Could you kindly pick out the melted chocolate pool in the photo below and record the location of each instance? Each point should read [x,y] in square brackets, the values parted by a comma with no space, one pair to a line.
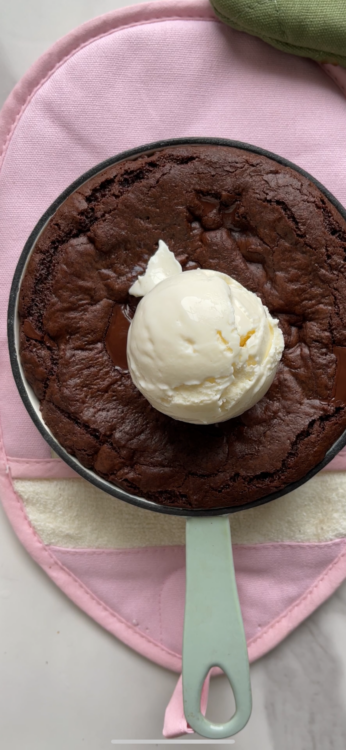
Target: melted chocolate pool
[116,336]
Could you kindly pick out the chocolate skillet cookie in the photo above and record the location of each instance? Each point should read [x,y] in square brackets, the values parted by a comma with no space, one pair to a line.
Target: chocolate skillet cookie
[216,207]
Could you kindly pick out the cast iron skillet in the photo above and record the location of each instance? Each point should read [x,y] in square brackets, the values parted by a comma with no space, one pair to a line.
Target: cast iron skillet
[213,629]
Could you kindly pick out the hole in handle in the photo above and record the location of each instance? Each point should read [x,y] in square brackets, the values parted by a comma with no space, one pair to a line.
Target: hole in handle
[211,723]
[221,705]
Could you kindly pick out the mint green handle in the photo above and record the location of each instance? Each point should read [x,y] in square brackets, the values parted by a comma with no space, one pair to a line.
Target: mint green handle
[213,627]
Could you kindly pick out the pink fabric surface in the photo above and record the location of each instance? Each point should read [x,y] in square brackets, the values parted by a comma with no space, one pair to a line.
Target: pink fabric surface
[337,74]
[42,468]
[146,586]
[175,723]
[338,463]
[134,76]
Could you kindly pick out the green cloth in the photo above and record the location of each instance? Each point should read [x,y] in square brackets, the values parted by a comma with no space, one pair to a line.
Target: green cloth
[310,28]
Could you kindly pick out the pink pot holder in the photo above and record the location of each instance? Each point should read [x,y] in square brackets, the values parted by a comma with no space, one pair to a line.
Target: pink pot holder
[141,74]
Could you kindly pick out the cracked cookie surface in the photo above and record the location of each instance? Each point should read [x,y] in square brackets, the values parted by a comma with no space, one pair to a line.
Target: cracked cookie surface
[216,207]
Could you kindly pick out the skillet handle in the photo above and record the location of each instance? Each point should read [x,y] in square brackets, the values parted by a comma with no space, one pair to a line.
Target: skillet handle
[213,626]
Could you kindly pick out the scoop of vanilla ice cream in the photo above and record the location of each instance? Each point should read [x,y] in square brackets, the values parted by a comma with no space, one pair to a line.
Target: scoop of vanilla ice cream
[202,348]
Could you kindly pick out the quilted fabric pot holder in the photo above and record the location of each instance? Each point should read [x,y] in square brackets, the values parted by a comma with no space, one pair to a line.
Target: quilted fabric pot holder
[138,75]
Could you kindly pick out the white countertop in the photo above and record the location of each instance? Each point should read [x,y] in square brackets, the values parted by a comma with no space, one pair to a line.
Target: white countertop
[67,684]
